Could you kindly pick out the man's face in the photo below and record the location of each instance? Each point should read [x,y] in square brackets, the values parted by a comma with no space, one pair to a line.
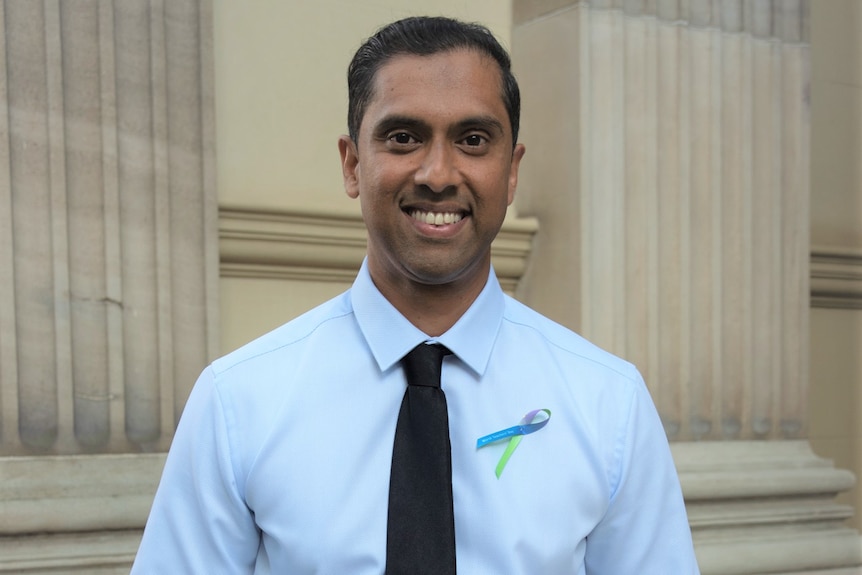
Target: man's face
[433,168]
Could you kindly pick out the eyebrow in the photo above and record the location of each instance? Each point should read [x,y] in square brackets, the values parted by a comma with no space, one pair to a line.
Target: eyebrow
[394,122]
[487,123]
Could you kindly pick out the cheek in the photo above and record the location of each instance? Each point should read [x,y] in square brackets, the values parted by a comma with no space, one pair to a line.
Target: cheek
[380,188]
[373,201]
[370,180]
[367,205]
[499,193]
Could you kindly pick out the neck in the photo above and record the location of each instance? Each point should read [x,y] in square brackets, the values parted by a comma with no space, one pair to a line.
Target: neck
[433,308]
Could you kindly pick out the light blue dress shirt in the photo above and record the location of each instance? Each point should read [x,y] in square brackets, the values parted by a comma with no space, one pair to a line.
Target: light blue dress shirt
[280,463]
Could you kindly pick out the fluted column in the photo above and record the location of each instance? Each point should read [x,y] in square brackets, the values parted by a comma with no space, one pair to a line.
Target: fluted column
[690,181]
[108,221]
[668,145]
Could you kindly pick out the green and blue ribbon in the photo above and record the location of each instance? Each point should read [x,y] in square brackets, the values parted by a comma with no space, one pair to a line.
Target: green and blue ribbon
[531,423]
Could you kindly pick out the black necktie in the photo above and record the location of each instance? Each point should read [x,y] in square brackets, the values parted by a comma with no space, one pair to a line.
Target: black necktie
[420,539]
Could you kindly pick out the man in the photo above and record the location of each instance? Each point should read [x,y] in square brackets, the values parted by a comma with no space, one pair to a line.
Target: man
[282,459]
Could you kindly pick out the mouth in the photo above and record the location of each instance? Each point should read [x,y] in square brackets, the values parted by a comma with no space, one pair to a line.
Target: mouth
[435,218]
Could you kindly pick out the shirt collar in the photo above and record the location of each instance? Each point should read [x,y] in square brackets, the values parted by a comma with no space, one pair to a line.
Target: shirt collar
[390,335]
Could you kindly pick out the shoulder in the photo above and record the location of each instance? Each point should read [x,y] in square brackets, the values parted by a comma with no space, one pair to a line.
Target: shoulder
[565,343]
[288,336]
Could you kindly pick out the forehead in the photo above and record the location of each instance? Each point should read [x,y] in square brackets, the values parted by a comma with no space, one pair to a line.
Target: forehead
[460,81]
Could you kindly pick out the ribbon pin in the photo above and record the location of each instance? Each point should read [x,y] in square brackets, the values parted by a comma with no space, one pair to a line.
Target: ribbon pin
[528,425]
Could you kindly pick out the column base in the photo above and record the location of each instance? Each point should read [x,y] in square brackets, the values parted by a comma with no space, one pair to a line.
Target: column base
[759,507]
[74,514]
[755,507]
[99,553]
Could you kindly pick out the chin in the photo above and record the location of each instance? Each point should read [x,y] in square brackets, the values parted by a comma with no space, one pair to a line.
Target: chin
[445,273]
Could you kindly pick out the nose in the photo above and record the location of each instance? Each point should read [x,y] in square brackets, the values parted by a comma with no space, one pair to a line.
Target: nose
[439,170]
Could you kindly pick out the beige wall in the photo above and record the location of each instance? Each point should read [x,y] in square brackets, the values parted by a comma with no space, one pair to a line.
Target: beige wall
[281,103]
[836,395]
[836,223]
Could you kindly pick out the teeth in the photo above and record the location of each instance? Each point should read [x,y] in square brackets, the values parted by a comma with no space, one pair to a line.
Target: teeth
[436,218]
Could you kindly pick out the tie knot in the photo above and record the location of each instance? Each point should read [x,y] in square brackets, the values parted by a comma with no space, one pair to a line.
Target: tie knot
[422,365]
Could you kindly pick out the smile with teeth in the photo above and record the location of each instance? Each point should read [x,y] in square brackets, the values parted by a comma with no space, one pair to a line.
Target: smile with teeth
[435,218]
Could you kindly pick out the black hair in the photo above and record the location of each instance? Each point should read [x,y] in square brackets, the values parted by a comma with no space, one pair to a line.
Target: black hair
[424,36]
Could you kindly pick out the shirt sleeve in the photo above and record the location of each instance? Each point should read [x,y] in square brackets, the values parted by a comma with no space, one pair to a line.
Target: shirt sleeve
[645,529]
[199,522]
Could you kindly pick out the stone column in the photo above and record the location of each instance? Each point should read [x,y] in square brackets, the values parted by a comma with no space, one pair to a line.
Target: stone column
[668,168]
[108,216]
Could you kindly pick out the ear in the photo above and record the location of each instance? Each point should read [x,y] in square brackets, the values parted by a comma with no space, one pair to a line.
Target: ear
[517,154]
[349,166]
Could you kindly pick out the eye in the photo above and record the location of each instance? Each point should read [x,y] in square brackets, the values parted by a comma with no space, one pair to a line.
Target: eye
[474,140]
[402,138]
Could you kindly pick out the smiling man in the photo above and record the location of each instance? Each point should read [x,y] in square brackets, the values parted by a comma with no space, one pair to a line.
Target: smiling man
[434,165]
[423,421]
